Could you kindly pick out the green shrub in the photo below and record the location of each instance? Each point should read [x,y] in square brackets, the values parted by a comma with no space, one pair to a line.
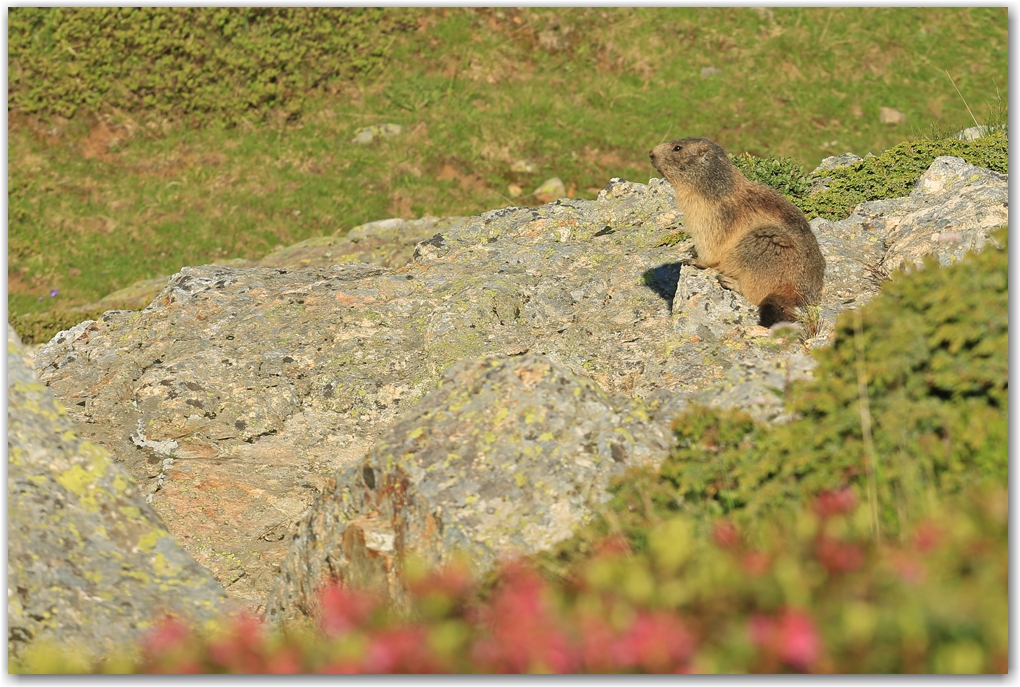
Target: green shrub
[935,359]
[895,172]
[781,173]
[222,64]
[936,365]
[816,594]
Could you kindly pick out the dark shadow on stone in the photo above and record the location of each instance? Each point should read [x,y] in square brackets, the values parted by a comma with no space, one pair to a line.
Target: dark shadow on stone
[663,280]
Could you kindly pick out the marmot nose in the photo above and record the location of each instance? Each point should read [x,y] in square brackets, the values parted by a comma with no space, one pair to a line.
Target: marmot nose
[651,155]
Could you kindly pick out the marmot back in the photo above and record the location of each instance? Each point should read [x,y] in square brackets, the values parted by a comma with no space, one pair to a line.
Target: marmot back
[760,242]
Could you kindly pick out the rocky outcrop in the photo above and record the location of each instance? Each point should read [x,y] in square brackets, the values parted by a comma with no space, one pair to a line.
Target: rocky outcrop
[387,243]
[89,564]
[240,394]
[504,457]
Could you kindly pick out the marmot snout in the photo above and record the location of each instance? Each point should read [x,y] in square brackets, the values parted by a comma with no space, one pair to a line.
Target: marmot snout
[760,242]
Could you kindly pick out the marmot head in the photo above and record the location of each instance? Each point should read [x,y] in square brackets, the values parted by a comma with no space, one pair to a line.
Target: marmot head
[695,165]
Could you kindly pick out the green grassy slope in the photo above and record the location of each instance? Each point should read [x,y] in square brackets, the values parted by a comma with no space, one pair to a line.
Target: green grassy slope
[130,188]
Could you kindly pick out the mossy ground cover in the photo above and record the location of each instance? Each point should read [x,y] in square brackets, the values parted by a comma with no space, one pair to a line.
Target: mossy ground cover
[147,176]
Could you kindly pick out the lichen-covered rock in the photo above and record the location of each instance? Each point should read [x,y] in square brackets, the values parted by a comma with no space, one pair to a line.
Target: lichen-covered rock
[506,456]
[239,392]
[952,209]
[89,564]
[386,242]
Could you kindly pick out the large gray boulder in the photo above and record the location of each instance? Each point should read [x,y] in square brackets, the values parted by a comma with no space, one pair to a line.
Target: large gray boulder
[240,394]
[89,563]
[505,457]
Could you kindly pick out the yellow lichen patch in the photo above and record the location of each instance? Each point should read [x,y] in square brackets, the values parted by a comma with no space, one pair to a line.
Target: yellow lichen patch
[624,433]
[161,566]
[48,657]
[76,480]
[38,480]
[130,512]
[546,436]
[96,455]
[29,387]
[68,435]
[638,413]
[136,575]
[149,539]
[120,483]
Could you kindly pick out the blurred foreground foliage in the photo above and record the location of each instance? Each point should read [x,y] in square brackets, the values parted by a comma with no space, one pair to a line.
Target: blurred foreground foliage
[817,594]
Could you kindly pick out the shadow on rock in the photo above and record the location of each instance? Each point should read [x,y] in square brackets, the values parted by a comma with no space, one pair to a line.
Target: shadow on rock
[663,281]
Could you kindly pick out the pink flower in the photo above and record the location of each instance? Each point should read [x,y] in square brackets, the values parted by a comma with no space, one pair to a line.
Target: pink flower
[525,635]
[656,642]
[838,556]
[242,650]
[831,503]
[168,634]
[791,636]
[399,650]
[342,610]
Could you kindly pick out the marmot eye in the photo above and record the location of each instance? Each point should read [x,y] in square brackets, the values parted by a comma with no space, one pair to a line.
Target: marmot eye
[677,149]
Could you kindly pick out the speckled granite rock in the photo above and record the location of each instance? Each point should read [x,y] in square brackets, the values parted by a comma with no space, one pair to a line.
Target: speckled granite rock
[239,393]
[386,242]
[952,209]
[89,564]
[505,456]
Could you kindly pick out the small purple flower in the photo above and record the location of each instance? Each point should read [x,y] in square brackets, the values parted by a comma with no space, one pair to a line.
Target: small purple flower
[53,293]
[40,298]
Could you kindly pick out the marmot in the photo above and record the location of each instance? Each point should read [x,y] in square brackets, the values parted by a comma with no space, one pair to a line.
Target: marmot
[759,241]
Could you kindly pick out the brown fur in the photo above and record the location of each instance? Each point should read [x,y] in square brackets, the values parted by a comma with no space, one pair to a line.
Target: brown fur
[759,241]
